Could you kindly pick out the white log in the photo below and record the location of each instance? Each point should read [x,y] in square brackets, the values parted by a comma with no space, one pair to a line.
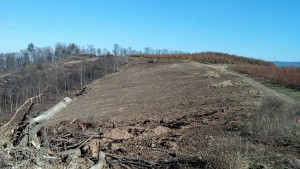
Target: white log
[39,121]
[101,161]
[52,111]
[31,133]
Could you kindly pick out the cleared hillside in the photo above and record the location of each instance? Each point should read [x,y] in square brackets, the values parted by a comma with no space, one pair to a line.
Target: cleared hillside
[184,113]
[165,89]
[169,114]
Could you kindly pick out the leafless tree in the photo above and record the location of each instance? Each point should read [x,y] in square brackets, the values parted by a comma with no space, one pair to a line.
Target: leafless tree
[116,49]
[91,50]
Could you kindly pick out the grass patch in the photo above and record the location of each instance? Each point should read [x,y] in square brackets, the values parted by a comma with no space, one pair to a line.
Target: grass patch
[231,151]
[274,119]
[292,93]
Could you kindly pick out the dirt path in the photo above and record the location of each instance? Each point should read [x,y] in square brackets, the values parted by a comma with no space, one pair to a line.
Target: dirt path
[263,88]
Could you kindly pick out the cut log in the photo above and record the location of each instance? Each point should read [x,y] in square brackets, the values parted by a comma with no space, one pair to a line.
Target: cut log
[101,161]
[31,133]
[52,111]
[37,124]
[44,138]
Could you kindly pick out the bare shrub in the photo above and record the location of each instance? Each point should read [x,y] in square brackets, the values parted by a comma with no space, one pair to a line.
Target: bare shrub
[233,152]
[286,76]
[210,57]
[274,120]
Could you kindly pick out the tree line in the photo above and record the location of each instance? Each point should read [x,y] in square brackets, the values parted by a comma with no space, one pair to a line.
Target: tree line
[211,57]
[60,78]
[26,73]
[14,61]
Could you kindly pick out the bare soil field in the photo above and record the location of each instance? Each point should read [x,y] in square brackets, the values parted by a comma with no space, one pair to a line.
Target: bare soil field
[163,90]
[165,114]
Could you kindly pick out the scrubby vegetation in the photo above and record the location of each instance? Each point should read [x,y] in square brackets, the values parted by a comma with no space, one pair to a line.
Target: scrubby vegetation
[287,76]
[270,132]
[275,120]
[210,57]
[232,151]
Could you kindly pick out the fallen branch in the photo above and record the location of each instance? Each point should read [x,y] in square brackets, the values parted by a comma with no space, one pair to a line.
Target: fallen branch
[85,141]
[36,124]
[52,111]
[136,162]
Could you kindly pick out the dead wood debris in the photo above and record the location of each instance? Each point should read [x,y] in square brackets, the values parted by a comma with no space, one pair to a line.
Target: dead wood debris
[31,148]
[81,91]
[89,147]
[175,163]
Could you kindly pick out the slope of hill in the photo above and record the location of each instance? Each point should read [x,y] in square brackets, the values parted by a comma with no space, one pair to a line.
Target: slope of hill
[166,89]
[184,113]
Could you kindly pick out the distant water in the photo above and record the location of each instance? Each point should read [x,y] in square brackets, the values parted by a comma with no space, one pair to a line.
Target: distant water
[282,64]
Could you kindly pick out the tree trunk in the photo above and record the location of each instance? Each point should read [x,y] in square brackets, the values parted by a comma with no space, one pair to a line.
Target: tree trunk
[36,125]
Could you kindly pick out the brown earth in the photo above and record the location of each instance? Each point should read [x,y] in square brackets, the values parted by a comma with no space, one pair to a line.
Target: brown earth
[163,110]
[162,90]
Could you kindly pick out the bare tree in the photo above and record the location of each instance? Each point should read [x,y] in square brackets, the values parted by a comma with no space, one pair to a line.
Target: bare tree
[2,63]
[72,49]
[116,49]
[105,52]
[99,51]
[147,50]
[60,50]
[91,50]
[10,61]
[49,54]
[26,57]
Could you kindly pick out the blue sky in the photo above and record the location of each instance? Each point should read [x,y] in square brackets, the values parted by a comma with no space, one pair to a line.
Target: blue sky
[266,29]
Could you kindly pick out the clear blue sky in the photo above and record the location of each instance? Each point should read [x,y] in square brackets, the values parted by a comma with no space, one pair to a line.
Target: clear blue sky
[266,29]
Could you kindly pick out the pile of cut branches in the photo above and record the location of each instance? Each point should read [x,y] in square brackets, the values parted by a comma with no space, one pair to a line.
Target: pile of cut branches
[29,144]
[25,144]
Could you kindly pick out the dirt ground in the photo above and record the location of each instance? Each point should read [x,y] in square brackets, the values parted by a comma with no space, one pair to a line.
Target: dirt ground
[163,90]
[169,114]
[162,111]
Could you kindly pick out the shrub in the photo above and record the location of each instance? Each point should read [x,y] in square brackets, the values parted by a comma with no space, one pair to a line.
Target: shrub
[233,152]
[274,120]
[210,57]
[287,76]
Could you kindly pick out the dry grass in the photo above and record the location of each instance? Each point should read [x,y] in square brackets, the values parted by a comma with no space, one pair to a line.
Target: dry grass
[274,119]
[227,151]
[286,76]
[210,57]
